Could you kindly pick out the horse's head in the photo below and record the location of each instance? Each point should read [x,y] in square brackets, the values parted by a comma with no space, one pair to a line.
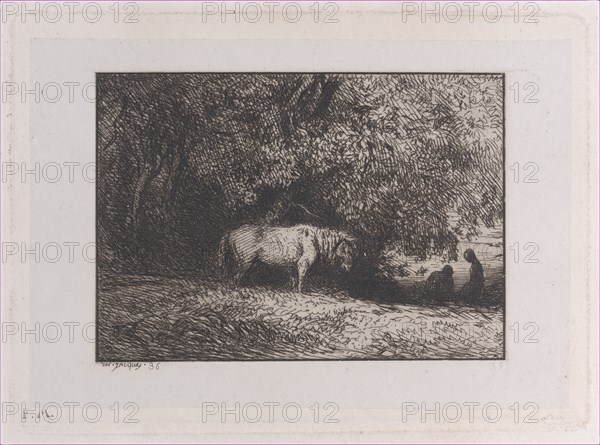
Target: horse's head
[345,253]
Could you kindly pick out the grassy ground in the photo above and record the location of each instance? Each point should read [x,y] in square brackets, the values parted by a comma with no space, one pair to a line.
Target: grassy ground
[155,318]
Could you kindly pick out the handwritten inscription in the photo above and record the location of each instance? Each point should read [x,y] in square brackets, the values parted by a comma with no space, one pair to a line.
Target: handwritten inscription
[132,366]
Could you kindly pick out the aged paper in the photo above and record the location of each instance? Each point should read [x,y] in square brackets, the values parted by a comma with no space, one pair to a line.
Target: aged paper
[299,222]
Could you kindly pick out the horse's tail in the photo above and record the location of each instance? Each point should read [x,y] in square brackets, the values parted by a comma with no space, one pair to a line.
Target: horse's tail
[224,254]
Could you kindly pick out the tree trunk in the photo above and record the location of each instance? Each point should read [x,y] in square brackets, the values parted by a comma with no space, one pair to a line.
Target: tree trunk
[138,191]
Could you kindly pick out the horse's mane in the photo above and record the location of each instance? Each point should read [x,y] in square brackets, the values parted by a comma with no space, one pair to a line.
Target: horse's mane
[327,241]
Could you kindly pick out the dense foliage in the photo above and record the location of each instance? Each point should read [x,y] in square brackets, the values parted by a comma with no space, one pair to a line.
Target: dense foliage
[413,162]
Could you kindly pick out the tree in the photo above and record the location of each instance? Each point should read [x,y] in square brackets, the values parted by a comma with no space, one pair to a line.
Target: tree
[411,162]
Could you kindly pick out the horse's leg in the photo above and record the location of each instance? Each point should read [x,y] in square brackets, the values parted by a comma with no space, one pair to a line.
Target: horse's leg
[302,268]
[303,264]
[294,277]
[242,268]
[300,278]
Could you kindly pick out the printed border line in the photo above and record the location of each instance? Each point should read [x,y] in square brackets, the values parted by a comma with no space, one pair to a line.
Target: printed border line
[502,358]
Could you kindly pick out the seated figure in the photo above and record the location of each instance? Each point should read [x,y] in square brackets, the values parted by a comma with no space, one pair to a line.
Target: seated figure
[473,289]
[440,284]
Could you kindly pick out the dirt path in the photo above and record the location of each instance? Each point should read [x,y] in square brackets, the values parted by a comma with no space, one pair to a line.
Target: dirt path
[185,319]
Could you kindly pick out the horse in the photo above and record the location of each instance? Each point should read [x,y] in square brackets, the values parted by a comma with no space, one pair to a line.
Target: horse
[298,247]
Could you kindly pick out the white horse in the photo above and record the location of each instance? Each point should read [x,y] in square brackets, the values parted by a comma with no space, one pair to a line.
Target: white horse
[297,247]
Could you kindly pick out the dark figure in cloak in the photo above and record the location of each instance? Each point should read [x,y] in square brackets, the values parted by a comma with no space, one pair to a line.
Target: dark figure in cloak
[473,289]
[440,284]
